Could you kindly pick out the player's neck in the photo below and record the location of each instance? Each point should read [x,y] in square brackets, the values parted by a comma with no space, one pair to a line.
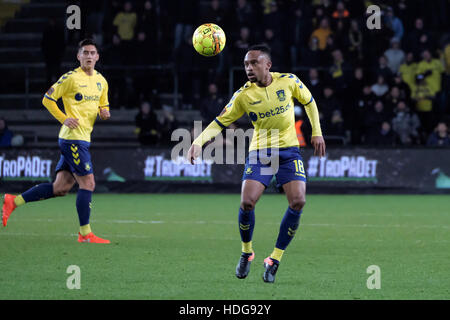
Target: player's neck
[266,81]
[88,71]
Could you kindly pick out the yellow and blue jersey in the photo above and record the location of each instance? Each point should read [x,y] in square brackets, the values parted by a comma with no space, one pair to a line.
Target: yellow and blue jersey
[271,108]
[82,96]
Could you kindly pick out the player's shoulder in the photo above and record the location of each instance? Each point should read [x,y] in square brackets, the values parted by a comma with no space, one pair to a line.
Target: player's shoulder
[67,77]
[288,78]
[243,90]
[99,75]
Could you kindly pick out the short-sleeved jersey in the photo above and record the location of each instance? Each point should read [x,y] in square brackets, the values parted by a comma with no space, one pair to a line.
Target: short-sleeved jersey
[268,108]
[82,96]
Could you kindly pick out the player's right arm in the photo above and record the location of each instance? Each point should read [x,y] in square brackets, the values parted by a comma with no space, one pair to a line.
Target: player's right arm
[51,97]
[232,111]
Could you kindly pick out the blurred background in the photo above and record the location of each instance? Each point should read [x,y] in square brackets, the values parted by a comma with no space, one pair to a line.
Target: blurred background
[383,94]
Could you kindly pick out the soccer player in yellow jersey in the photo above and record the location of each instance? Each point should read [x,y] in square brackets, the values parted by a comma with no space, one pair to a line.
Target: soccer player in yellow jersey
[268,100]
[84,92]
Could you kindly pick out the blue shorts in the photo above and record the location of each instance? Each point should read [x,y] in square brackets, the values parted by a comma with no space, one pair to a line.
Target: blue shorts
[75,157]
[260,167]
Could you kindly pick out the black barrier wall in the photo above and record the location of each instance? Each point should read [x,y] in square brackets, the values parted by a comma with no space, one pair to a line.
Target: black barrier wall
[152,170]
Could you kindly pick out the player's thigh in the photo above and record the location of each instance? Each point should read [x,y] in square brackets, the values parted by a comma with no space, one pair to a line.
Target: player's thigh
[250,193]
[63,183]
[296,194]
[86,182]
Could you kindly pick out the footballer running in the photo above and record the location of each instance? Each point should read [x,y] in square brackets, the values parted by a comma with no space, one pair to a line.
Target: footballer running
[268,101]
[84,92]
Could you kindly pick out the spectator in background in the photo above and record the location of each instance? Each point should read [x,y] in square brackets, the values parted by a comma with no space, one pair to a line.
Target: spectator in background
[311,56]
[384,136]
[373,121]
[168,124]
[300,28]
[419,39]
[126,21]
[6,135]
[406,124]
[243,15]
[212,105]
[328,104]
[216,14]
[408,70]
[147,125]
[394,55]
[380,88]
[341,13]
[53,46]
[336,124]
[339,70]
[148,23]
[314,84]
[278,59]
[423,97]
[184,15]
[432,70]
[394,23]
[440,136]
[274,20]
[145,50]
[241,46]
[355,40]
[383,68]
[322,33]
[393,97]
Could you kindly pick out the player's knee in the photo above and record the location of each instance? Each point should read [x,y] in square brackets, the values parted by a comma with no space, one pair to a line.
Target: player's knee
[87,184]
[248,204]
[61,191]
[297,203]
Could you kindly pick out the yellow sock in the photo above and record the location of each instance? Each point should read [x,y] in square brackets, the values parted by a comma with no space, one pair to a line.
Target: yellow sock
[277,254]
[18,201]
[247,247]
[86,229]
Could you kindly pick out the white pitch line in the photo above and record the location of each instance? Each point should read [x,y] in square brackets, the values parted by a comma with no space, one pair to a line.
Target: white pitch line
[224,222]
[134,236]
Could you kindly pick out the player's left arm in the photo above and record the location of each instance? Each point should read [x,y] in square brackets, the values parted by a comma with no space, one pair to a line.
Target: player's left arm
[304,96]
[103,109]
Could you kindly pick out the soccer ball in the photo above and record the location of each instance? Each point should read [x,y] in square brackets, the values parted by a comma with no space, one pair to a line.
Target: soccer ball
[209,39]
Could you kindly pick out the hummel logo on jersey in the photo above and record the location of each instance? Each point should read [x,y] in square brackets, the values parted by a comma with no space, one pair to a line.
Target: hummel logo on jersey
[255,102]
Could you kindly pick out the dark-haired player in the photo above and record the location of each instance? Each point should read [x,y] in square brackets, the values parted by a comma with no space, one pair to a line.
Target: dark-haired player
[84,92]
[268,100]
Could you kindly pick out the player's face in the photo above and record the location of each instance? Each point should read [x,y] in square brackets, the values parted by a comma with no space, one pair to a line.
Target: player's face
[257,65]
[88,56]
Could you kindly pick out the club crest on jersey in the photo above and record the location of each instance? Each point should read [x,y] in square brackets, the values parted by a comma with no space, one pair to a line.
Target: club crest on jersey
[99,86]
[281,95]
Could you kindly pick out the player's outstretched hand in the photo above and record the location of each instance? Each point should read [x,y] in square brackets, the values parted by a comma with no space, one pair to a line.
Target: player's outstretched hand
[71,123]
[104,114]
[194,153]
[319,146]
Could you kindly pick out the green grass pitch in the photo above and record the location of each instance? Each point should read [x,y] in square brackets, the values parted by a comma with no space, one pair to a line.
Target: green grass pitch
[187,246]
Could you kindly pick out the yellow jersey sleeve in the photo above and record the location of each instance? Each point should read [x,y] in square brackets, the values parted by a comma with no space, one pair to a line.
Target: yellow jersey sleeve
[57,90]
[53,94]
[232,111]
[304,96]
[104,102]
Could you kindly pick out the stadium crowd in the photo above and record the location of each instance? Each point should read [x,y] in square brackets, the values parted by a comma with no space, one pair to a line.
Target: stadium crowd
[386,86]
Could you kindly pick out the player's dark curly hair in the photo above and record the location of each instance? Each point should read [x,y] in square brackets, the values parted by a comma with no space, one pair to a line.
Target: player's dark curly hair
[263,48]
[87,42]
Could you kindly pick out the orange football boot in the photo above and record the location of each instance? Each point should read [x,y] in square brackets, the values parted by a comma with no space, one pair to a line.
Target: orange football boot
[91,238]
[8,207]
